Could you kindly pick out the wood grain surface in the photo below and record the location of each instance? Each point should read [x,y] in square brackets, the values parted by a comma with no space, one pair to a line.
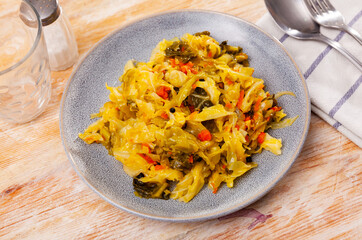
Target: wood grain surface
[41,197]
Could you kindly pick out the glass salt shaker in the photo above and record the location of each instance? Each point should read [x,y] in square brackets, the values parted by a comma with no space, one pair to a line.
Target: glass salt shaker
[61,44]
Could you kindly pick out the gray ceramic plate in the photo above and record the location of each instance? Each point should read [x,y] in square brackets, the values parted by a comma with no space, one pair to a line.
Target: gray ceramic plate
[86,93]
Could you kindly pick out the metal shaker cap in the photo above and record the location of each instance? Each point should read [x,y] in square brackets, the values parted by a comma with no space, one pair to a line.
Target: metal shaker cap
[48,10]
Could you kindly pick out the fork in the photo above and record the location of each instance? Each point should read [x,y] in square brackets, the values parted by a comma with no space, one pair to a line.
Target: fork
[326,15]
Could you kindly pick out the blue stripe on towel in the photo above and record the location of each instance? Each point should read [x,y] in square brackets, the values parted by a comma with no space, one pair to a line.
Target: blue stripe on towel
[283,38]
[345,97]
[337,125]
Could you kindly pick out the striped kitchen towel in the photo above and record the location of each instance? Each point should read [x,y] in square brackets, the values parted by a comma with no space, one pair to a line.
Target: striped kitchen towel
[335,84]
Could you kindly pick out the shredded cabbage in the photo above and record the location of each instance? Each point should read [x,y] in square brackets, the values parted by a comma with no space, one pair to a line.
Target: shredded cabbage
[193,114]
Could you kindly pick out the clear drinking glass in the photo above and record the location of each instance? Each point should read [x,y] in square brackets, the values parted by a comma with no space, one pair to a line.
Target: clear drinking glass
[25,83]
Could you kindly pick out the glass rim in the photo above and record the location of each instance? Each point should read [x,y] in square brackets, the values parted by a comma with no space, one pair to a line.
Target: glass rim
[35,43]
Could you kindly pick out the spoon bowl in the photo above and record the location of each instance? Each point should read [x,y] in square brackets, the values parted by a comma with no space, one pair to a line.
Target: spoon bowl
[293,18]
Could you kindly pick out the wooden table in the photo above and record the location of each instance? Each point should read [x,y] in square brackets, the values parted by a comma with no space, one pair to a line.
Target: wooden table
[41,196]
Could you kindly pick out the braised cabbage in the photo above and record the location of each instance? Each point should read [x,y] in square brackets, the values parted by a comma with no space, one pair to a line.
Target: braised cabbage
[193,114]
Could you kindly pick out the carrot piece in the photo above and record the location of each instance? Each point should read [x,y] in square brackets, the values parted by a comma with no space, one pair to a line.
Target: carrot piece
[193,114]
[163,92]
[255,116]
[182,48]
[240,100]
[247,138]
[224,166]
[261,137]
[189,64]
[247,118]
[215,188]
[184,69]
[204,135]
[193,86]
[257,103]
[187,67]
[228,81]
[164,116]
[228,105]
[237,126]
[191,159]
[276,108]
[159,167]
[147,158]
[173,62]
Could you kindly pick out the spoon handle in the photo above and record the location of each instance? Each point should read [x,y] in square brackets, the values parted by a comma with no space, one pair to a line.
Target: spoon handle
[341,49]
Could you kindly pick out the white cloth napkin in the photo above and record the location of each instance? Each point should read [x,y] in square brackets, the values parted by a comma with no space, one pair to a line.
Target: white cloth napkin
[334,83]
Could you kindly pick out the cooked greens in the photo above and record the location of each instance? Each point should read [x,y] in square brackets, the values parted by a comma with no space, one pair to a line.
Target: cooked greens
[192,115]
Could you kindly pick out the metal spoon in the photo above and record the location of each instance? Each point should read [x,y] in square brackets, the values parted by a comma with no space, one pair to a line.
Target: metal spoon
[294,19]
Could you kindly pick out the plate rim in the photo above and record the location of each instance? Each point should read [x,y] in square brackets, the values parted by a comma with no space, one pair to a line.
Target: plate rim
[207,216]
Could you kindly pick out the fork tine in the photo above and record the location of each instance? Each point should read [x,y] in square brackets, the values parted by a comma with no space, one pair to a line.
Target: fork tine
[310,5]
[315,7]
[328,5]
[322,6]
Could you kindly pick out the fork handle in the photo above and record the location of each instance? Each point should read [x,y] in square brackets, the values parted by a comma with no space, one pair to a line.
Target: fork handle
[352,32]
[340,48]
